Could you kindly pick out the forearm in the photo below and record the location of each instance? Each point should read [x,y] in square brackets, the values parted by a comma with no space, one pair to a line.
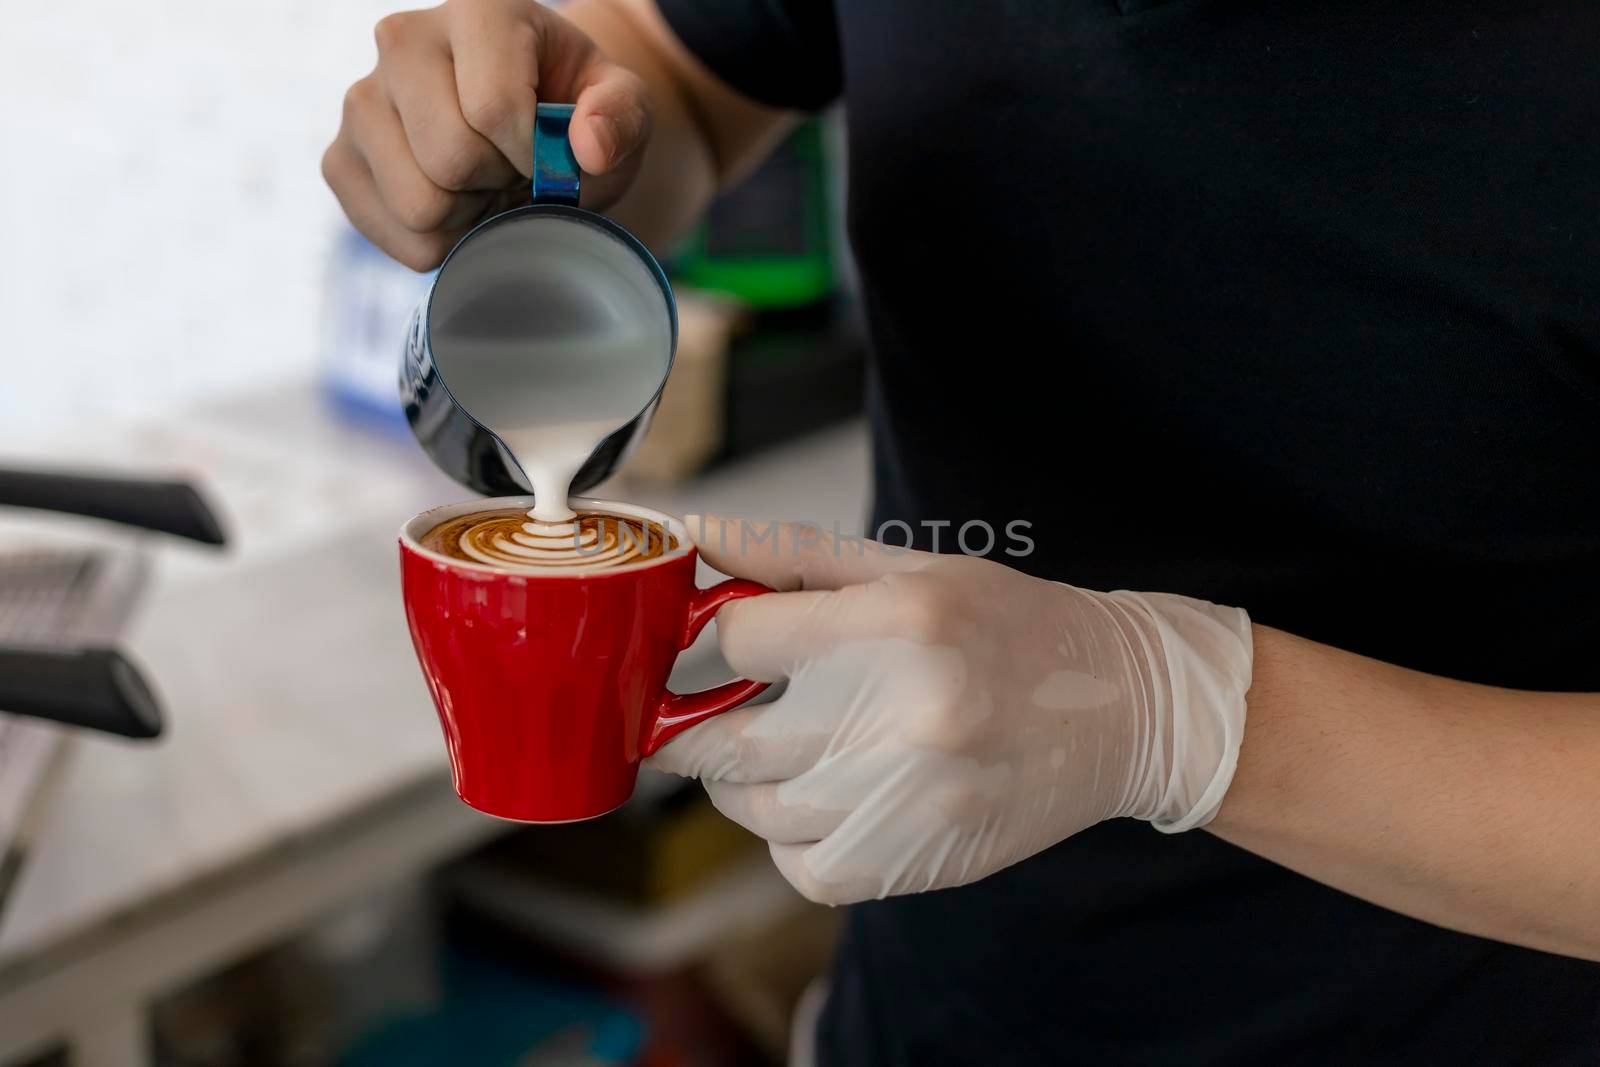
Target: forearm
[705,136]
[1471,807]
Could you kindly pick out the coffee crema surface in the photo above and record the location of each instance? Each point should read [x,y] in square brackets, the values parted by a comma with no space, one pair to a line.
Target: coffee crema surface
[514,539]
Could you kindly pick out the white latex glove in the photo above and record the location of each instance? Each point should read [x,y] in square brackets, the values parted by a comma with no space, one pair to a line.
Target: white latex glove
[948,716]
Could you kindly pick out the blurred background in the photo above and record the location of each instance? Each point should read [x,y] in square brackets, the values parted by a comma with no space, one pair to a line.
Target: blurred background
[202,468]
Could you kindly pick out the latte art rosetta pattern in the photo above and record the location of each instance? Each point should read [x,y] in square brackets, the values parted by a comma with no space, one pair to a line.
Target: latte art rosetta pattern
[515,539]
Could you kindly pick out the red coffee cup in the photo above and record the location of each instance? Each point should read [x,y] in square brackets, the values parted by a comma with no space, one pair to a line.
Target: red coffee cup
[552,686]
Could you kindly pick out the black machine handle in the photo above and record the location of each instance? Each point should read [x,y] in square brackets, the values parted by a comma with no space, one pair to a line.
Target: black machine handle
[171,507]
[95,688]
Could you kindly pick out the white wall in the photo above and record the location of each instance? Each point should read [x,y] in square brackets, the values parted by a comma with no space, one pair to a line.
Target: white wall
[164,227]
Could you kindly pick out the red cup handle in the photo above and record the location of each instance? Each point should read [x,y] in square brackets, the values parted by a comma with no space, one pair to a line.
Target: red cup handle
[677,712]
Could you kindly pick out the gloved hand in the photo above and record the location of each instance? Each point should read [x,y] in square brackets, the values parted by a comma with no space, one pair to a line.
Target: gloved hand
[947,716]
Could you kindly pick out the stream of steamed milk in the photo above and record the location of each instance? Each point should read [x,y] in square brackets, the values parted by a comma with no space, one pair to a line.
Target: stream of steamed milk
[552,402]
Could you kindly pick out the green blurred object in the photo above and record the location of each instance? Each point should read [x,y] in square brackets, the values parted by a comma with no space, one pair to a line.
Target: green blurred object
[768,241]
[495,1016]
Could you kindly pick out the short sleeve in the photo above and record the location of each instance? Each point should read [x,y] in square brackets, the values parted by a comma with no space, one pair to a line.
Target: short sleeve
[783,53]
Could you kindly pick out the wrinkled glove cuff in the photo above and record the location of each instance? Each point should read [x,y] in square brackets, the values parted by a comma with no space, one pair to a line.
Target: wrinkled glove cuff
[1201,656]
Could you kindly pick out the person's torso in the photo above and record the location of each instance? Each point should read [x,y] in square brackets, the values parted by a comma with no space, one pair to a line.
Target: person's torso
[1291,305]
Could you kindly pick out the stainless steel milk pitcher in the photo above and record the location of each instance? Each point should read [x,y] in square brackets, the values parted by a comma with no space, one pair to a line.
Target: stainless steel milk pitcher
[548,269]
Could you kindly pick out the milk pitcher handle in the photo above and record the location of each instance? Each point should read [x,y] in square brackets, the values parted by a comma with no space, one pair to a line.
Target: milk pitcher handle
[555,170]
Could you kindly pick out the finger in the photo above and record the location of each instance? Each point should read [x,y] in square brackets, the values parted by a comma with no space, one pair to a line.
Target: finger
[792,862]
[770,643]
[347,175]
[417,73]
[612,119]
[760,743]
[786,635]
[411,198]
[497,59]
[796,555]
[764,811]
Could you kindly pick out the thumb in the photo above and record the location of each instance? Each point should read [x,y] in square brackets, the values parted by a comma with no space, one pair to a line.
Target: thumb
[611,120]
[789,556]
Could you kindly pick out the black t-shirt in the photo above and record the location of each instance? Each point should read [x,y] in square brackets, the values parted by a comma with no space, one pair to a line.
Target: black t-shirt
[1293,305]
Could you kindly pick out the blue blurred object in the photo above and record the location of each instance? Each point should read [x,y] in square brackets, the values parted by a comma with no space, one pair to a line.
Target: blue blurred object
[367,302]
[495,1016]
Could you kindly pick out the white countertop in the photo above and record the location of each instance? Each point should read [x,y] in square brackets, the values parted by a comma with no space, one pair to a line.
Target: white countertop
[293,700]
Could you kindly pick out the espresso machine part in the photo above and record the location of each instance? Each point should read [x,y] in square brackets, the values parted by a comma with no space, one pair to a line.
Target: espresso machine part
[172,507]
[91,688]
[43,673]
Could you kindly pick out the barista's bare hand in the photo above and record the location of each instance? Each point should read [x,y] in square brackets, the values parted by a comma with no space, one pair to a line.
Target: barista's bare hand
[440,133]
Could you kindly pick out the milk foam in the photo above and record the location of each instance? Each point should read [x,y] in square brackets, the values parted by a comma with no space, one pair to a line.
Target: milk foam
[591,541]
